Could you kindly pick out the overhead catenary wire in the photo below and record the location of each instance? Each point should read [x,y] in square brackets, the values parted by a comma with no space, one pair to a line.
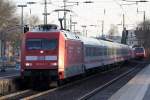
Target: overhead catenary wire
[124,11]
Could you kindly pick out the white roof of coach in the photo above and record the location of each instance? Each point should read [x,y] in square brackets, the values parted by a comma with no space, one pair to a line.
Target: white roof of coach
[90,41]
[94,41]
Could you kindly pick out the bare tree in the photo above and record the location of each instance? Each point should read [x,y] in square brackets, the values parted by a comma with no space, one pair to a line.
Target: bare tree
[9,29]
[7,9]
[34,20]
[143,35]
[31,20]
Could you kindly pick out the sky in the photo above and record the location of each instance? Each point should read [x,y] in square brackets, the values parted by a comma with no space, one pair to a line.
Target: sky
[92,14]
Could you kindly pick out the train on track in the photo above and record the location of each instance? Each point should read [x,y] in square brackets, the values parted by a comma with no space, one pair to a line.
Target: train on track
[49,54]
[139,52]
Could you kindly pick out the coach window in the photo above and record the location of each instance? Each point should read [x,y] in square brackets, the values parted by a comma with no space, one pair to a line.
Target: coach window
[94,51]
[87,51]
[119,51]
[122,51]
[96,54]
[90,51]
[105,51]
[108,51]
[102,51]
[99,51]
[111,51]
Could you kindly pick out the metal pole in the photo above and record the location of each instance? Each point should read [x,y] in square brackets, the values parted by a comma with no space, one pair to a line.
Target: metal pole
[103,23]
[45,12]
[123,22]
[30,3]
[102,28]
[144,17]
[0,47]
[86,32]
[70,22]
[65,13]
[0,44]
[74,25]
[30,9]
[22,24]
[3,52]
[74,28]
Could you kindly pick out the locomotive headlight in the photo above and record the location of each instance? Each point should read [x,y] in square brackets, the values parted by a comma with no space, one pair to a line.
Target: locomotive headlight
[28,64]
[54,64]
[41,51]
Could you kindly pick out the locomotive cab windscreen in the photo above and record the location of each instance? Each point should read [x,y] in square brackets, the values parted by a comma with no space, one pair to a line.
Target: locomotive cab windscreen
[139,50]
[41,52]
[41,44]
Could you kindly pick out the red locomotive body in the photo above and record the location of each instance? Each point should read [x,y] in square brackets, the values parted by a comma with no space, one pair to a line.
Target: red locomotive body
[50,55]
[139,52]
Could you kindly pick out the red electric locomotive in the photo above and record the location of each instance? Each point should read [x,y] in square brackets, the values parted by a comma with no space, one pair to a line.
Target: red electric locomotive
[50,54]
[139,52]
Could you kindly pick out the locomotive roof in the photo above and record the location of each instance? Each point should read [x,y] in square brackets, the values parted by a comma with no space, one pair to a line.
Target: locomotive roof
[45,28]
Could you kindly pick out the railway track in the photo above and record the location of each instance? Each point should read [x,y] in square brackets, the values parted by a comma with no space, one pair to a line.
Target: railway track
[30,93]
[105,91]
[18,95]
[75,90]
[93,92]
[80,90]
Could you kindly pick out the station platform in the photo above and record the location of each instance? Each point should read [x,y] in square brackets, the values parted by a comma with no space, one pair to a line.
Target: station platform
[137,88]
[9,80]
[9,72]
